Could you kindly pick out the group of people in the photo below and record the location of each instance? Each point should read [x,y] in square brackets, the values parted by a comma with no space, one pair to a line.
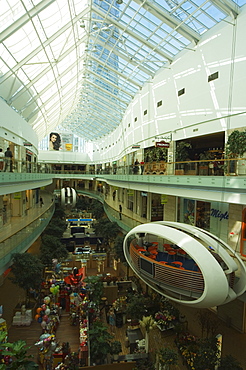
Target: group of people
[6,160]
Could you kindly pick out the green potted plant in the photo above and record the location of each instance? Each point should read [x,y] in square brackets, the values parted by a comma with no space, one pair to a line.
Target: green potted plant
[115,349]
[181,155]
[99,341]
[17,352]
[235,148]
[94,285]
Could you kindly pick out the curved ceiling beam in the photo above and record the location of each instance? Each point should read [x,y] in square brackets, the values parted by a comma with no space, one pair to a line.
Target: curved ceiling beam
[142,40]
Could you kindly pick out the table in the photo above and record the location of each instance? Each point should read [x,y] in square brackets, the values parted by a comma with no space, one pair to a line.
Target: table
[133,336]
[132,357]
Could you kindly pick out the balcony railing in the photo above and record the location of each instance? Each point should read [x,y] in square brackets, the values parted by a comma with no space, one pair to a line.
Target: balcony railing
[217,167]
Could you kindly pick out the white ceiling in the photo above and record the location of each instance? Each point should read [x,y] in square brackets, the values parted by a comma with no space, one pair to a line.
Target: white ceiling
[77,64]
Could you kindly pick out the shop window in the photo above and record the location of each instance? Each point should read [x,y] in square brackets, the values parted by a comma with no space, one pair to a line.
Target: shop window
[156,208]
[243,237]
[203,215]
[130,200]
[144,205]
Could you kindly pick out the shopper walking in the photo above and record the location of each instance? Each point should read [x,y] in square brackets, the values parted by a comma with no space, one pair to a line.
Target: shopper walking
[8,160]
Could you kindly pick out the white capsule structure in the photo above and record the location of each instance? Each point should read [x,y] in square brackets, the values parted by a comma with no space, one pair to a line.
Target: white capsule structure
[186,264]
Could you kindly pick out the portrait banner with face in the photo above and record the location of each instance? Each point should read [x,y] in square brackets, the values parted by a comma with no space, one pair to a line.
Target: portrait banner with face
[54,141]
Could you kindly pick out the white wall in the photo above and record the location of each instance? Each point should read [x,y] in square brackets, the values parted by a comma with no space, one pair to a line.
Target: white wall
[57,156]
[206,107]
[14,128]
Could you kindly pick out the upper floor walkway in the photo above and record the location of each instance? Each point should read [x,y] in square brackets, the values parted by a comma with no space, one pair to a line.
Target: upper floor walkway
[229,189]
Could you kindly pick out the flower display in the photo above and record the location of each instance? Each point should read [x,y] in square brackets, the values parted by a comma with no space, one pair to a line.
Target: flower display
[120,303]
[163,319]
[148,323]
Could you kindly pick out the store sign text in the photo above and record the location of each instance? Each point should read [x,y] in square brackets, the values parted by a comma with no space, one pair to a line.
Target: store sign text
[218,214]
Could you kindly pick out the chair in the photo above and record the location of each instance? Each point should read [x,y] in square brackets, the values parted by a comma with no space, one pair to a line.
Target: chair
[182,253]
[152,256]
[171,253]
[153,248]
[155,244]
[167,247]
[178,263]
[154,252]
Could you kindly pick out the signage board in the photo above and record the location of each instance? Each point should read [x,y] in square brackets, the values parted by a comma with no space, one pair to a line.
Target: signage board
[162,144]
[163,199]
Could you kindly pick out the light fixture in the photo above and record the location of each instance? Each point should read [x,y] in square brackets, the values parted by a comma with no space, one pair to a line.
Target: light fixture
[82,23]
[95,27]
[119,1]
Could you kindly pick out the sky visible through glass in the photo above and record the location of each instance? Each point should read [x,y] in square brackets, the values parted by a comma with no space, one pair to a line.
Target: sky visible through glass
[78,64]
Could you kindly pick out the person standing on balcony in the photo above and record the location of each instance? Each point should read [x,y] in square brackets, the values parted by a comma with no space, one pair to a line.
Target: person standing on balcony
[136,167]
[8,160]
[142,167]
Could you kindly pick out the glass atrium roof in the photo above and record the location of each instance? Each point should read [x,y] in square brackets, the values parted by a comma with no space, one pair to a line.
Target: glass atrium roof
[79,63]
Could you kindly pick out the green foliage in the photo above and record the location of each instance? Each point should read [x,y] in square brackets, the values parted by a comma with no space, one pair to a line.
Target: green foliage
[94,286]
[59,212]
[182,151]
[18,353]
[100,340]
[106,229]
[52,248]
[136,307]
[168,356]
[206,156]
[155,154]
[54,229]
[97,209]
[115,347]
[27,271]
[207,354]
[229,363]
[236,144]
[118,248]
[83,203]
